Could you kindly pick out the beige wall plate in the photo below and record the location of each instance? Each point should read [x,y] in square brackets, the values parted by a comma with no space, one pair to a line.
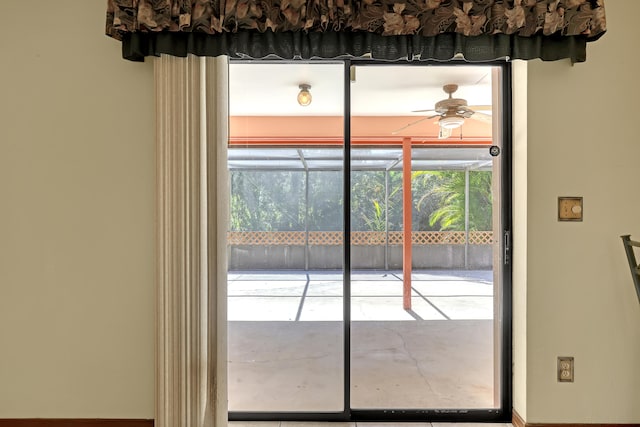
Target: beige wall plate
[569,208]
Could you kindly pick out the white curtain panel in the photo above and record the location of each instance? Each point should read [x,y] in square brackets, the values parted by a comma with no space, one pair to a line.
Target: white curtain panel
[192,129]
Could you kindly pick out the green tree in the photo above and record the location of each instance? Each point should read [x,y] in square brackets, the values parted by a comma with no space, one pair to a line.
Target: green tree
[325,200]
[275,200]
[267,201]
[369,203]
[449,190]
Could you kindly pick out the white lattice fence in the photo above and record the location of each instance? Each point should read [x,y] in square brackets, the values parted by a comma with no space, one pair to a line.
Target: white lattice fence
[368,238]
[480,237]
[328,238]
[437,237]
[358,238]
[258,238]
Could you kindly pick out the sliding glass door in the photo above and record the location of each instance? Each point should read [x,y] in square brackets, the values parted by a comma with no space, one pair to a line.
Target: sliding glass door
[396,308]
[425,272]
[286,293]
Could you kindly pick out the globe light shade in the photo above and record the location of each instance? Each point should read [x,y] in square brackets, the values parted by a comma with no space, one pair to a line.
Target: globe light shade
[304,96]
[451,122]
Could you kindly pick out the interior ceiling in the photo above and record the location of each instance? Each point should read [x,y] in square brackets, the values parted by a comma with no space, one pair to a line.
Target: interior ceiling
[270,89]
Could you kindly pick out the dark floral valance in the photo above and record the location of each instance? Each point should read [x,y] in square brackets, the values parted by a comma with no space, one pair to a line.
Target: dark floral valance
[387,29]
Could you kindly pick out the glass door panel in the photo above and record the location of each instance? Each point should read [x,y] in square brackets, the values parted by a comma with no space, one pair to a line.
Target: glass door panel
[285,280]
[425,300]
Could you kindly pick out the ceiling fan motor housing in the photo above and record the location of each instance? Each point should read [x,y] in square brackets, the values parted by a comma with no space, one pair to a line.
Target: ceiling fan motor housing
[450,104]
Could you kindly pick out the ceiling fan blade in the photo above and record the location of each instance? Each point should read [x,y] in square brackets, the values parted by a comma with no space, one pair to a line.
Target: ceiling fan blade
[482,117]
[397,131]
[480,107]
[422,111]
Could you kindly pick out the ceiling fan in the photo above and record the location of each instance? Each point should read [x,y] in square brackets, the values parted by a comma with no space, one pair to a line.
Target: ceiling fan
[452,112]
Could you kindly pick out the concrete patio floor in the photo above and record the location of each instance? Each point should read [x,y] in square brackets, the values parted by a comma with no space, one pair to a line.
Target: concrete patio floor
[286,341]
[317,296]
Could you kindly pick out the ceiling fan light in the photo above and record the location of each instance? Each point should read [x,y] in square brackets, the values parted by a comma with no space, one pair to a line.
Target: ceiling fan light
[304,96]
[451,122]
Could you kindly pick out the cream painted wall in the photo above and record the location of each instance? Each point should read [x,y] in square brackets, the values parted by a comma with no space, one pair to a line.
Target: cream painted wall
[77,233]
[77,208]
[582,140]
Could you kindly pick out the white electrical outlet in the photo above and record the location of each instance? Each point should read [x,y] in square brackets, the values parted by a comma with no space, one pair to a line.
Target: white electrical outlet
[565,369]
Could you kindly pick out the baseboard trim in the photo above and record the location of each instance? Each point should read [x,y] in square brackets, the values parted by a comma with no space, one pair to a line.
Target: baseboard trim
[517,421]
[73,422]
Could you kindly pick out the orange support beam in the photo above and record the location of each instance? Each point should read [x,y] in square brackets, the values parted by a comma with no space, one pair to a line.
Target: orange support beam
[304,142]
[407,208]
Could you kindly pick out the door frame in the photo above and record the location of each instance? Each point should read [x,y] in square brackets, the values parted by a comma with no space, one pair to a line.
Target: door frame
[499,414]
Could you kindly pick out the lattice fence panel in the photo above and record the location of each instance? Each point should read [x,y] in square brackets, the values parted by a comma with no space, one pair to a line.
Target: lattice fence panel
[438,238]
[395,238]
[480,237]
[329,238]
[358,238]
[364,238]
[257,238]
[429,238]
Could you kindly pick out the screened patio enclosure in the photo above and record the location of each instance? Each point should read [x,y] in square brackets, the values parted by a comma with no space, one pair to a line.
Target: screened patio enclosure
[307,234]
[286,287]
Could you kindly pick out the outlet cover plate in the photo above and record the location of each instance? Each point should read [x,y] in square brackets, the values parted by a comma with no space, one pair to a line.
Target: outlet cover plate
[565,369]
[569,208]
